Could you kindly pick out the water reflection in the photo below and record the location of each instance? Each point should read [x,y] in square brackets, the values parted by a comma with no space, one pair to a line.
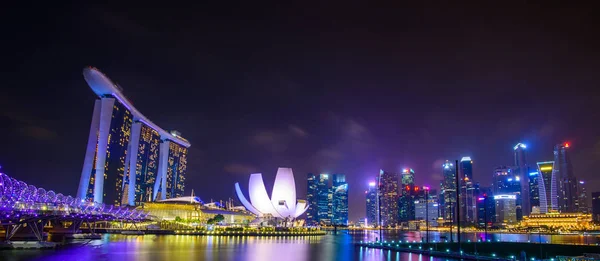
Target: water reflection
[239,248]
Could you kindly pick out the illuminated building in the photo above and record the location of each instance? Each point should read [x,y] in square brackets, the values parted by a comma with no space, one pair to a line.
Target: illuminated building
[372,205]
[388,189]
[534,190]
[125,160]
[193,211]
[486,205]
[146,163]
[339,200]
[311,197]
[449,191]
[583,206]
[431,211]
[507,182]
[596,206]
[548,187]
[281,204]
[521,170]
[567,185]
[408,193]
[468,208]
[506,209]
[324,200]
[570,221]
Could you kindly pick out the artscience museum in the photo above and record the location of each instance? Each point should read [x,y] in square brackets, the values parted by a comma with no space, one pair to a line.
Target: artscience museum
[281,204]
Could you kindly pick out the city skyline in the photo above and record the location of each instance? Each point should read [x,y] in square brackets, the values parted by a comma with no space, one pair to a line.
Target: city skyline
[335,95]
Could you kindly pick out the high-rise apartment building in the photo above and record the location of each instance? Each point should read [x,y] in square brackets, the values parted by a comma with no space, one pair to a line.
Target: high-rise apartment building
[548,187]
[128,158]
[339,200]
[567,185]
[388,198]
[372,206]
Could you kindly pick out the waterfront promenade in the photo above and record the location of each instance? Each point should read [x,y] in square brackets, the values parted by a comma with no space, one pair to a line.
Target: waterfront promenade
[486,250]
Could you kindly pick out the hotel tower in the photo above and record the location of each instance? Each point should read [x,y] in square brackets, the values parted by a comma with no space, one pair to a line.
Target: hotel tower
[128,159]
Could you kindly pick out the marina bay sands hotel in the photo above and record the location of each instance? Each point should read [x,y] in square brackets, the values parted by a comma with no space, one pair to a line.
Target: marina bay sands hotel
[128,159]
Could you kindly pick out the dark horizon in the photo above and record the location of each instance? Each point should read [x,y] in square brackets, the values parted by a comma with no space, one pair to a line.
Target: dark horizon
[338,88]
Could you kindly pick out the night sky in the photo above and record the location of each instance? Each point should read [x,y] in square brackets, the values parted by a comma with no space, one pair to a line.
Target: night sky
[340,88]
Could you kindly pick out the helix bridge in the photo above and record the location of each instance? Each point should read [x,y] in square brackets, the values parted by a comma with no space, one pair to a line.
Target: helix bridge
[23,205]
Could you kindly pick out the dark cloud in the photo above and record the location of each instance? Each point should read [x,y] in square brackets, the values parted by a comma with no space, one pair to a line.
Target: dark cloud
[239,169]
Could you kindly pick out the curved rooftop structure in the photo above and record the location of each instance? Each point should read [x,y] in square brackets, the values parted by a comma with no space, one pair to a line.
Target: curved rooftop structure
[104,87]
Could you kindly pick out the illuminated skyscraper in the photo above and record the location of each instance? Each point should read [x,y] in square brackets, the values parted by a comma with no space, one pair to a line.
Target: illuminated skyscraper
[429,211]
[372,205]
[146,163]
[408,193]
[567,185]
[449,191]
[521,170]
[388,189]
[312,193]
[596,206]
[125,151]
[506,181]
[534,190]
[506,208]
[548,187]
[324,198]
[583,204]
[468,199]
[340,200]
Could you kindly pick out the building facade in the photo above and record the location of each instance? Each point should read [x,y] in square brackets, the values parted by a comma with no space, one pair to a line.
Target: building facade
[468,206]
[427,208]
[486,208]
[340,200]
[372,206]
[521,170]
[126,161]
[534,191]
[312,193]
[563,170]
[583,198]
[408,194]
[548,187]
[324,200]
[596,206]
[506,209]
[388,198]
[448,191]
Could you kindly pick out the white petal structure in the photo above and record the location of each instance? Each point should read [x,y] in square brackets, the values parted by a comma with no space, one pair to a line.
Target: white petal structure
[282,204]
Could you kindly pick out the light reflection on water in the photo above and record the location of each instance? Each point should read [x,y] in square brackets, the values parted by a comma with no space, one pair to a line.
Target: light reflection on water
[183,247]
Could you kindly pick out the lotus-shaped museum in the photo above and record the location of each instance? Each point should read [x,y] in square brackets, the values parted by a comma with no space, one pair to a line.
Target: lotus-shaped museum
[281,204]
